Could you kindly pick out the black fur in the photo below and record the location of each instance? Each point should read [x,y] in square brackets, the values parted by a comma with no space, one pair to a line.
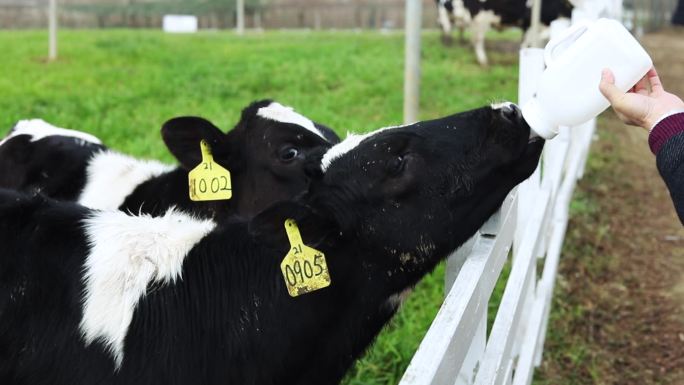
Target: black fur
[384,214]
[513,13]
[56,166]
[516,12]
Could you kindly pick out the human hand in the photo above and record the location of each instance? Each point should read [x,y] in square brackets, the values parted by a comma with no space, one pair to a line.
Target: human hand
[643,105]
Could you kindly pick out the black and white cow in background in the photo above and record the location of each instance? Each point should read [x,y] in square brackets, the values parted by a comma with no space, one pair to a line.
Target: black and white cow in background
[102,297]
[265,154]
[481,15]
[452,13]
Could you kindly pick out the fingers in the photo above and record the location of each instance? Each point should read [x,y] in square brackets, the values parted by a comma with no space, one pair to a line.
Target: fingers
[654,79]
[607,87]
[642,86]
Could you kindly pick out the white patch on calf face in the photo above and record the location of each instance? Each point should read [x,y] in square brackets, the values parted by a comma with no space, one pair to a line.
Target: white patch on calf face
[126,254]
[498,106]
[111,177]
[279,113]
[39,129]
[348,144]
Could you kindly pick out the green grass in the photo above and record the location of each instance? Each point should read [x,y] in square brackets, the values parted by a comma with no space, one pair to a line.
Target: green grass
[121,85]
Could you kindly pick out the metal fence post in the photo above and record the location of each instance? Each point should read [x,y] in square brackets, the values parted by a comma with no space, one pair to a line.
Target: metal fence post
[52,27]
[412,57]
[240,24]
[535,25]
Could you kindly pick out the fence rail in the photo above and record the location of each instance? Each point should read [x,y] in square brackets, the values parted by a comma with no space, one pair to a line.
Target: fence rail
[529,229]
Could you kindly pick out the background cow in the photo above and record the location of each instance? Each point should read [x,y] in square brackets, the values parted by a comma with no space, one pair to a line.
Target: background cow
[91,297]
[481,15]
[452,13]
[265,154]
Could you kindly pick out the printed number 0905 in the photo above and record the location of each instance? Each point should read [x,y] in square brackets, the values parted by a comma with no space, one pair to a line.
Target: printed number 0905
[301,270]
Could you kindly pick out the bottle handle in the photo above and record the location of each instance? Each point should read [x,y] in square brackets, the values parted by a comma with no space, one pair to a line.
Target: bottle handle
[568,36]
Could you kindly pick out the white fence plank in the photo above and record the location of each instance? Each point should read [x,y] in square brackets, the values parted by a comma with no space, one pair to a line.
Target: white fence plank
[531,68]
[456,261]
[497,355]
[455,349]
[466,375]
[442,352]
[525,368]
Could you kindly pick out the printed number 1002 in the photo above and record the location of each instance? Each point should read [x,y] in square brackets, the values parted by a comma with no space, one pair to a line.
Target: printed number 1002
[215,184]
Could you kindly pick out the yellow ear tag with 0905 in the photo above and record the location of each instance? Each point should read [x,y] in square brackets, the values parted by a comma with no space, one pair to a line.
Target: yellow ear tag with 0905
[304,268]
[209,181]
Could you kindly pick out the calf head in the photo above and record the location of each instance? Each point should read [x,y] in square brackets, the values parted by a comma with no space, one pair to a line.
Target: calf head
[38,157]
[266,152]
[405,197]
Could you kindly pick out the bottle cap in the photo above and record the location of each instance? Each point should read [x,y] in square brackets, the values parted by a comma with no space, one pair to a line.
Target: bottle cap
[533,115]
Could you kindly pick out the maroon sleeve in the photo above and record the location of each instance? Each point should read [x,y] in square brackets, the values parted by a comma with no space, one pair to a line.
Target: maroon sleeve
[664,130]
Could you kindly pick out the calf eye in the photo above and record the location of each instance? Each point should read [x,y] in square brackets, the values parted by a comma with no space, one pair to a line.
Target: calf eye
[396,165]
[288,153]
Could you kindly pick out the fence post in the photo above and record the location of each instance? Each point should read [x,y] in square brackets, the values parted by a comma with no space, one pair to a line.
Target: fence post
[531,69]
[240,23]
[412,60]
[52,26]
[317,20]
[535,23]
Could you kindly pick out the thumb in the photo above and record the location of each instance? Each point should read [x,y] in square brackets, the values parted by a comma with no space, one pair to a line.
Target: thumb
[607,86]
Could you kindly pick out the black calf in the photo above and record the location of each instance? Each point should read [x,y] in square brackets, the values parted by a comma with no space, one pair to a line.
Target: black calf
[179,300]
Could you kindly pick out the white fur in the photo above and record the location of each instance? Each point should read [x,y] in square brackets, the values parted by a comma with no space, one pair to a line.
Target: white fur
[126,254]
[111,177]
[461,14]
[279,113]
[498,106]
[444,18]
[39,129]
[482,22]
[348,144]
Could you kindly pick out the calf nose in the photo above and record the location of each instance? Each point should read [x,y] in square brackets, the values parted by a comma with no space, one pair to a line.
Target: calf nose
[511,112]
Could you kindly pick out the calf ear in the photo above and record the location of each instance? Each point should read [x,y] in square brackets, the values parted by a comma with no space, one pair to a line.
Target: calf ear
[182,137]
[269,225]
[328,133]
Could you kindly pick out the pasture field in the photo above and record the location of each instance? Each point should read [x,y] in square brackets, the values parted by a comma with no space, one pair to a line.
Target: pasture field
[121,85]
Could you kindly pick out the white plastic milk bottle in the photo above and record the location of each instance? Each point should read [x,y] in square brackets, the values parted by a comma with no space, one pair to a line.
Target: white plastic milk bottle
[568,92]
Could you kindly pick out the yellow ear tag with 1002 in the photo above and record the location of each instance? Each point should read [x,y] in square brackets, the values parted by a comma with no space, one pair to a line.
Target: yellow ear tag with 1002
[304,268]
[209,181]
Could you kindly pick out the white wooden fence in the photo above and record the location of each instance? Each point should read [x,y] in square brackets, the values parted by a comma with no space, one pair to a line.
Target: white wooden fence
[530,227]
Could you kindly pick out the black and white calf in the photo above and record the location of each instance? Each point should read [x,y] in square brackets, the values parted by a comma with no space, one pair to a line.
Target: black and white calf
[37,156]
[92,297]
[481,15]
[265,153]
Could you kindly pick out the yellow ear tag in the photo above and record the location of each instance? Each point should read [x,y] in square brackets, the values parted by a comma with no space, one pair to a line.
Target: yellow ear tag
[304,268]
[209,181]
